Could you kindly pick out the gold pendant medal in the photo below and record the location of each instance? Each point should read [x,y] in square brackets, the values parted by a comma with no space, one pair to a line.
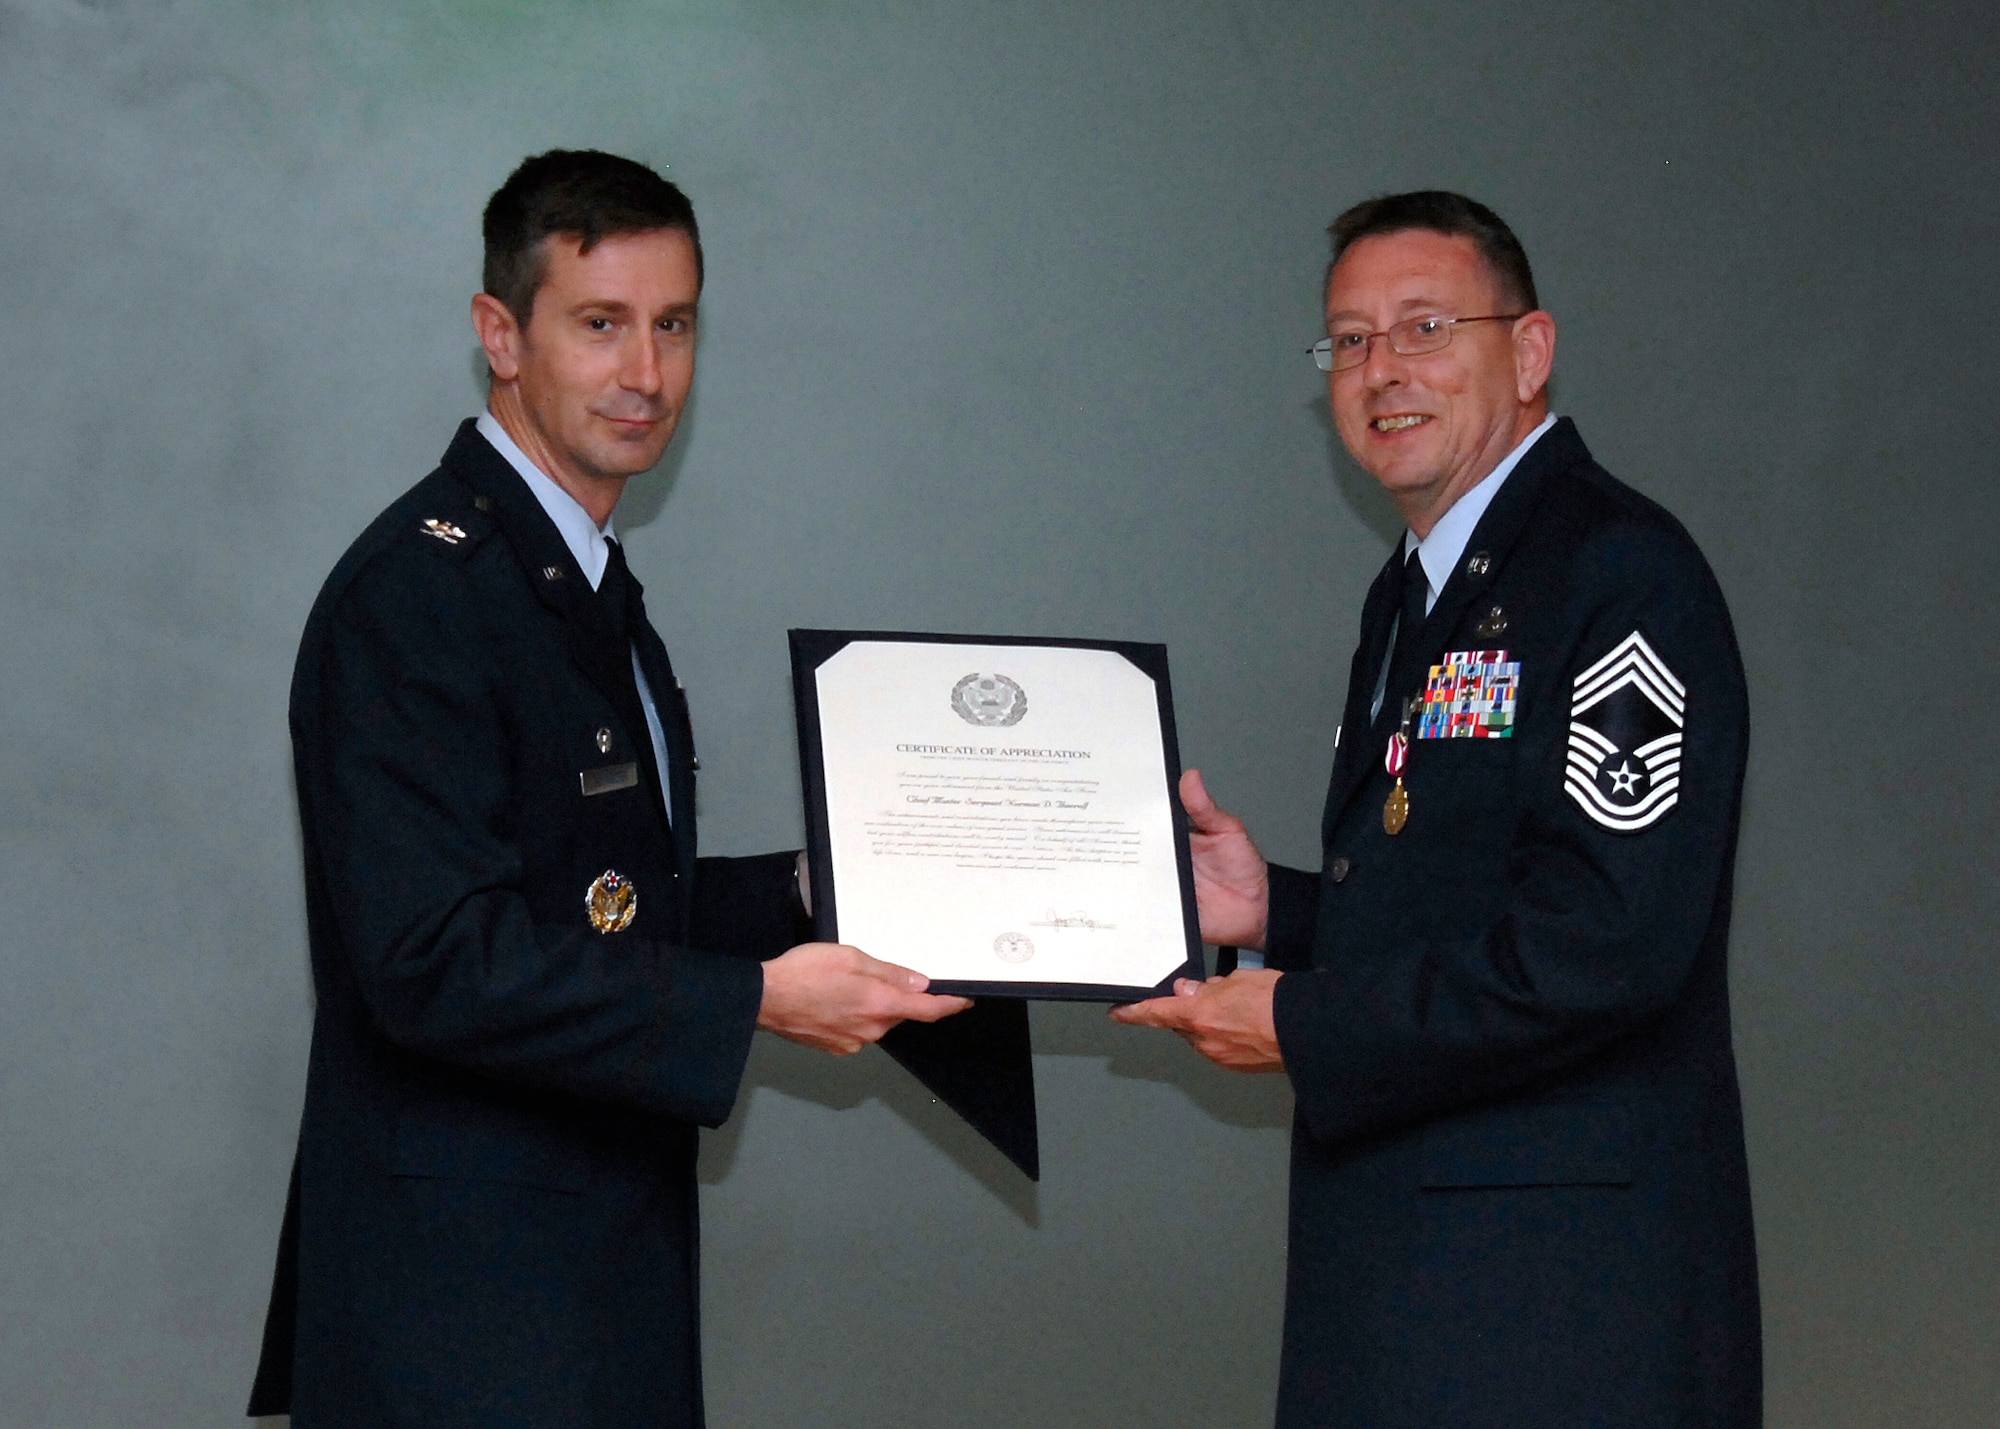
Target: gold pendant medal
[1396,812]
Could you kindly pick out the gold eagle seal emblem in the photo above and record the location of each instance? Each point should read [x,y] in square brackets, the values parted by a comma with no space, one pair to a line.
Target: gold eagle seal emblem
[611,901]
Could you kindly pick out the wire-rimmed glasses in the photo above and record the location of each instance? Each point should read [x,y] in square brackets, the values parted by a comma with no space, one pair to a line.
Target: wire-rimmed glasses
[1412,337]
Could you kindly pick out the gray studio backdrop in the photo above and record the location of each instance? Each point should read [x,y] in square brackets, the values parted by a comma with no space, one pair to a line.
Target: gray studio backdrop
[1004,331]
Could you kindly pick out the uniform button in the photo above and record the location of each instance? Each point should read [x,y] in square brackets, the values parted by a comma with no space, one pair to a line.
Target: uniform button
[604,740]
[1340,868]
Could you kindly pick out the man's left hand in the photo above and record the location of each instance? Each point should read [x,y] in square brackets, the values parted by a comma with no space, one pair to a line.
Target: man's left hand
[1227,1020]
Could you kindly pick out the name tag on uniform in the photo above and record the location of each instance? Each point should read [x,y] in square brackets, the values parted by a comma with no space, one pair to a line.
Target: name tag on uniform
[1470,696]
[608,777]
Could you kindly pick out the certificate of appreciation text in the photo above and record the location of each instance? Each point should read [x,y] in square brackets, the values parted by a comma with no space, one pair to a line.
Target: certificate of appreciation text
[997,814]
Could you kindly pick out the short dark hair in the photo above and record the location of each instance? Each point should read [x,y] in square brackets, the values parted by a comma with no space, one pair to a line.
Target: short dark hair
[1439,211]
[584,194]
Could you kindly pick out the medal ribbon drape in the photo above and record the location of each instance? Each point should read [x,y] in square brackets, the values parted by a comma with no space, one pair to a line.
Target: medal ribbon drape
[1396,812]
[1409,626]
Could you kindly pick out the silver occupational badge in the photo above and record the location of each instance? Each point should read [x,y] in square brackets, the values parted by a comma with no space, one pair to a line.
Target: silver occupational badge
[989,700]
[1625,717]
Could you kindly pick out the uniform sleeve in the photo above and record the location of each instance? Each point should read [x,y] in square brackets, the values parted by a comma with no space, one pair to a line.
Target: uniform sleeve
[1604,907]
[407,790]
[749,907]
[1294,910]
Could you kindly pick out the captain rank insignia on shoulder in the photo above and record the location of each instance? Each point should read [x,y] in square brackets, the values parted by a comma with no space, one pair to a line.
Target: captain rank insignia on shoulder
[1625,717]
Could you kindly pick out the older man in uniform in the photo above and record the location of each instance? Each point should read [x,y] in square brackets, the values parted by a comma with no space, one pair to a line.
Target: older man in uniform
[1519,1195]
[529,989]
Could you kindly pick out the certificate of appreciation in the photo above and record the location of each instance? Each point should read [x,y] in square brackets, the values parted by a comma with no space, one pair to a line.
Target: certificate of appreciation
[997,813]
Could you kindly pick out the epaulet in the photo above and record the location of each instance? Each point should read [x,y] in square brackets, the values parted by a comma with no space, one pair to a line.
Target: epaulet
[457,528]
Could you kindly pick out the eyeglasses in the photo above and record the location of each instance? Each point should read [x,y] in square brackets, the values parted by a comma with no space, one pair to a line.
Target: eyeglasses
[1412,337]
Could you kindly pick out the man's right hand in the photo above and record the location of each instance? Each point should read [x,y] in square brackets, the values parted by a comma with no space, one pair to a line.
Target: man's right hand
[838,999]
[1232,883]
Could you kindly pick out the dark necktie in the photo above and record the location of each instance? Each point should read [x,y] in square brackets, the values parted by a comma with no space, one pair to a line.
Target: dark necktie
[1409,626]
[625,607]
[617,592]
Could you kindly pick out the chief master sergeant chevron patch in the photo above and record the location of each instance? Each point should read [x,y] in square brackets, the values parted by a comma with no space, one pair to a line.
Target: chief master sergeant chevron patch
[1625,738]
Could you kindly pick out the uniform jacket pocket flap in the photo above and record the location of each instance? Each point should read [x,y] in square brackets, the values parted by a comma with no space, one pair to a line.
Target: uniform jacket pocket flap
[1562,1144]
[1473,773]
[479,1146]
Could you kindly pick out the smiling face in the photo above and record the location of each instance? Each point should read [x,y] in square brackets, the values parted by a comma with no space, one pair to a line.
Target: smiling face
[592,386]
[1431,427]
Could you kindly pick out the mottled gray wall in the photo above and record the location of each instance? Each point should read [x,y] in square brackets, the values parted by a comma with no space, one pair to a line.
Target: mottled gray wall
[1004,331]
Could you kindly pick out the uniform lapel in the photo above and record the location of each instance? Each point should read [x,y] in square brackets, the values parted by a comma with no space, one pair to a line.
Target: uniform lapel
[671,704]
[1378,620]
[1493,538]
[552,573]
[1558,449]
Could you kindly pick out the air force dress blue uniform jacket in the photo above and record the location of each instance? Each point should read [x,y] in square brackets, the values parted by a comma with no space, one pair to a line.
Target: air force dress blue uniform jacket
[1519,1194]
[492,1216]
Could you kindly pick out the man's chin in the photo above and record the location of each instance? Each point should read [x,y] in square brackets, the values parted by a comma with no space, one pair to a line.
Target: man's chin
[631,456]
[1399,475]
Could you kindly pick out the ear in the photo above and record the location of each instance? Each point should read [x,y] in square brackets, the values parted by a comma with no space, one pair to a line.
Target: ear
[1534,354]
[499,334]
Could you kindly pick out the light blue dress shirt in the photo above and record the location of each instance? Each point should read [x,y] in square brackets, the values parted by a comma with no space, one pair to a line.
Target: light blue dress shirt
[587,542]
[1440,550]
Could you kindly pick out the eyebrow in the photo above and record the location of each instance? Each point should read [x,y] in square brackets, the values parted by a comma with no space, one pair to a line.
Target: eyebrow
[1406,306]
[613,305]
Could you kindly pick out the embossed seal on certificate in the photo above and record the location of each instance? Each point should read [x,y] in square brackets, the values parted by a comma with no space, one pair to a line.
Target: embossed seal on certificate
[1013,948]
[611,901]
[986,699]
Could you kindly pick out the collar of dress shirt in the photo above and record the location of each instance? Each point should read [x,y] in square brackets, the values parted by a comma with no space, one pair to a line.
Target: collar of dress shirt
[581,534]
[1440,550]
